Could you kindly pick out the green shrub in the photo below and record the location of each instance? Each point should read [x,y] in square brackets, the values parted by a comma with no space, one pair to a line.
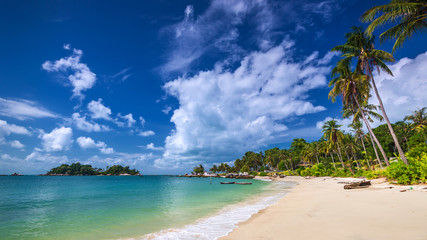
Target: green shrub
[304,172]
[413,173]
[417,139]
[417,151]
[262,174]
[342,173]
[254,173]
[299,170]
[287,173]
[375,174]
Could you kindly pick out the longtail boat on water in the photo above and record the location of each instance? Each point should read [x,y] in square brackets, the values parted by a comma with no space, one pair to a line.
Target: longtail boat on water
[227,182]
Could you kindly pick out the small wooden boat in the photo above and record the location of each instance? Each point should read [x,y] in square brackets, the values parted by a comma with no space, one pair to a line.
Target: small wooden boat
[227,182]
[244,183]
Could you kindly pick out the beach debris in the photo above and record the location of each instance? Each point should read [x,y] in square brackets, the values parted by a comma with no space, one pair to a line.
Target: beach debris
[404,190]
[282,176]
[344,182]
[355,185]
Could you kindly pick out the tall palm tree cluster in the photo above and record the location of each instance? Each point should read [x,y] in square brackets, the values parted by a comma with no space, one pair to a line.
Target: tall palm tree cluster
[337,149]
[353,81]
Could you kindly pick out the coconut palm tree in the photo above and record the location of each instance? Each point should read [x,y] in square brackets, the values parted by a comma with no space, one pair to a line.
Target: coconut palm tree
[334,135]
[354,89]
[326,148]
[311,151]
[410,16]
[419,119]
[307,154]
[360,47]
[405,131]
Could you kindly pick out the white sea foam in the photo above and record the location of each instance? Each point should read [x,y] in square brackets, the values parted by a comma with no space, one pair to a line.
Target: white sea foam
[222,223]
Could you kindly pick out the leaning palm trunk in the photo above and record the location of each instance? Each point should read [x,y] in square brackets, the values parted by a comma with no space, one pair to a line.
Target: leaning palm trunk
[374,138]
[286,165]
[353,157]
[290,162]
[348,158]
[372,135]
[317,159]
[350,167]
[396,142]
[332,156]
[376,152]
[340,156]
[366,153]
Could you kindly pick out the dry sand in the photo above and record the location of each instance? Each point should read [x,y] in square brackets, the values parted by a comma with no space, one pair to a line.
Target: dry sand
[320,208]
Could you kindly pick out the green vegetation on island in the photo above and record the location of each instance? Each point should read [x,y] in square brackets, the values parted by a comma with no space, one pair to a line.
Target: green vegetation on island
[87,170]
[397,151]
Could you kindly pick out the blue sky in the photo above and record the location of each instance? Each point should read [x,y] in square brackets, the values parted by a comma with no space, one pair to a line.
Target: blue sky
[164,85]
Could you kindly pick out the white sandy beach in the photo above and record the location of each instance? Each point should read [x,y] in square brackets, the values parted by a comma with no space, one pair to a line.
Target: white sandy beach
[320,208]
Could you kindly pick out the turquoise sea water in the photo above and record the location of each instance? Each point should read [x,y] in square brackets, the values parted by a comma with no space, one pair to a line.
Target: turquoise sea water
[110,207]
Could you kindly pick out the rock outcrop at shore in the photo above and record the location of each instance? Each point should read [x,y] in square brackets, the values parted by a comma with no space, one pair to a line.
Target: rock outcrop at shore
[239,176]
[228,175]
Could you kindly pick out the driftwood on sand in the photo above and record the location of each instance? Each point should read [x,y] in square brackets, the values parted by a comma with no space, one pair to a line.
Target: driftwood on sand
[355,185]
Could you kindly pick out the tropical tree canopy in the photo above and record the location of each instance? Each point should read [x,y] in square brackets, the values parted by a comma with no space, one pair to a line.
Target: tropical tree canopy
[408,17]
[419,119]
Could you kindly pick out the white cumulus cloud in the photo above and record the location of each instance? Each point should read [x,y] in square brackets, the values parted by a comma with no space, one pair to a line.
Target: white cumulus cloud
[16,144]
[225,111]
[59,139]
[88,126]
[6,129]
[146,133]
[98,110]
[87,142]
[151,146]
[129,121]
[81,78]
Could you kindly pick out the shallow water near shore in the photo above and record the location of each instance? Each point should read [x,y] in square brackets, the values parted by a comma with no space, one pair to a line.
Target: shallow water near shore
[92,207]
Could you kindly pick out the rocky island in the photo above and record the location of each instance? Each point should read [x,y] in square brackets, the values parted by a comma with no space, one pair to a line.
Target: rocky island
[77,169]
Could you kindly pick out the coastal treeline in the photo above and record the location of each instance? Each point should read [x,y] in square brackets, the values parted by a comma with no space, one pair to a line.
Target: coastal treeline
[397,151]
[343,154]
[77,169]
